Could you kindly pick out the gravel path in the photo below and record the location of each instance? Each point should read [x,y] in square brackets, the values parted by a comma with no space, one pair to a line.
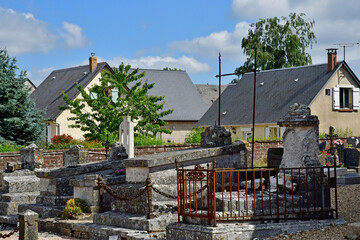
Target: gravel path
[349,210]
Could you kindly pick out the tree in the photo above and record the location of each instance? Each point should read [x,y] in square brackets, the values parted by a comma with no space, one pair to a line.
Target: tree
[280,43]
[20,121]
[119,94]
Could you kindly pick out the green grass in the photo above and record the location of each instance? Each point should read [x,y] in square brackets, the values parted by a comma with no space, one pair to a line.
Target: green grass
[140,140]
[10,148]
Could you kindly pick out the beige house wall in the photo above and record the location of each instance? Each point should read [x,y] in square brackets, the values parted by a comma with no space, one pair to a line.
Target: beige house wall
[179,131]
[238,133]
[322,106]
[63,121]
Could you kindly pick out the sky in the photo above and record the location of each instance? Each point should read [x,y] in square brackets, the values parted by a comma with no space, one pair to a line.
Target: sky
[47,35]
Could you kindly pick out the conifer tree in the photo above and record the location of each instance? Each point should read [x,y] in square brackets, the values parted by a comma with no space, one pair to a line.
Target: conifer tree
[20,121]
[120,94]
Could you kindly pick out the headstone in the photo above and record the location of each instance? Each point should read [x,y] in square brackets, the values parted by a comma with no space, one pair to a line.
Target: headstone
[74,156]
[353,141]
[28,227]
[117,152]
[322,146]
[215,136]
[32,157]
[352,158]
[126,135]
[301,138]
[274,156]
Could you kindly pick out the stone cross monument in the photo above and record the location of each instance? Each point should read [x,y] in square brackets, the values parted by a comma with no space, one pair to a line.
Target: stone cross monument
[126,135]
[301,138]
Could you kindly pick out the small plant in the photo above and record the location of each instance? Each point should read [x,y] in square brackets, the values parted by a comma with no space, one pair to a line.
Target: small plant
[120,171]
[10,147]
[195,135]
[141,140]
[323,152]
[73,206]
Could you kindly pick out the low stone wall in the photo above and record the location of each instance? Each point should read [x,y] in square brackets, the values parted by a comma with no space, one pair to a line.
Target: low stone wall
[54,158]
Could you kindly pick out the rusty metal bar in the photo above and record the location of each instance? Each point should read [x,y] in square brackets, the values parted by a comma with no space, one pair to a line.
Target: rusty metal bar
[219,113]
[230,190]
[148,185]
[336,202]
[253,122]
[101,199]
[284,193]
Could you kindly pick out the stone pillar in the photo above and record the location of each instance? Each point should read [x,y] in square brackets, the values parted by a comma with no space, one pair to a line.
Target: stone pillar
[87,190]
[126,135]
[215,136]
[301,138]
[75,155]
[28,228]
[32,157]
[117,152]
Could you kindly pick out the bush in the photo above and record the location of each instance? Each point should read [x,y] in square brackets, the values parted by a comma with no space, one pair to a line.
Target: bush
[62,139]
[10,147]
[195,135]
[141,140]
[73,206]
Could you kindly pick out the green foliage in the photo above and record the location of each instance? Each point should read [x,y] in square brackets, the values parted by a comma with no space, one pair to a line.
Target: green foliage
[280,42]
[339,132]
[195,135]
[140,140]
[171,69]
[73,206]
[108,108]
[20,121]
[10,147]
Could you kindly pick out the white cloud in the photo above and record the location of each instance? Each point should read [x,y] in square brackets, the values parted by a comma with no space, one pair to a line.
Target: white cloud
[228,43]
[23,33]
[190,64]
[73,36]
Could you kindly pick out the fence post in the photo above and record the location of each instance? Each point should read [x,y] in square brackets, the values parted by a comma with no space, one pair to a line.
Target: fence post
[148,185]
[28,229]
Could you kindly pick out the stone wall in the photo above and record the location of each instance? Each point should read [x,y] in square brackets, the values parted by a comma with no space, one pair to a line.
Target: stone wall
[54,158]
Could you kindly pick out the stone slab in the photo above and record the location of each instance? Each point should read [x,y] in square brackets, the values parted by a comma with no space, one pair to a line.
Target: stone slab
[169,158]
[352,178]
[43,211]
[9,219]
[18,184]
[182,231]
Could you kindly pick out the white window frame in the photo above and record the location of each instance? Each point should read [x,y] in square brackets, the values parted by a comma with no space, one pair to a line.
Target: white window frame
[355,97]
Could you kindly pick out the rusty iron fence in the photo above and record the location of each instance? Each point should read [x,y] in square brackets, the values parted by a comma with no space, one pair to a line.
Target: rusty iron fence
[209,194]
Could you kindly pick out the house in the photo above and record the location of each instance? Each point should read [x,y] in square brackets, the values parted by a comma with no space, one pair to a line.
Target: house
[331,90]
[181,96]
[30,85]
[178,89]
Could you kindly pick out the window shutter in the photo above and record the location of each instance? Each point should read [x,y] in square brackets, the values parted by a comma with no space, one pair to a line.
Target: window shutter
[282,130]
[114,95]
[356,98]
[336,98]
[267,132]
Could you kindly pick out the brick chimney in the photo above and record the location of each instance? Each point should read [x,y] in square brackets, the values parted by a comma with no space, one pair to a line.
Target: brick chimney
[92,62]
[331,58]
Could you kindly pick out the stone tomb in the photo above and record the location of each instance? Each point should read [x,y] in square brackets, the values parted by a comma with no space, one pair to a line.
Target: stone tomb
[352,158]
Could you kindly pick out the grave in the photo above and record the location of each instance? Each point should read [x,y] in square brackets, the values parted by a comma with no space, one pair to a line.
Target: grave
[18,183]
[352,158]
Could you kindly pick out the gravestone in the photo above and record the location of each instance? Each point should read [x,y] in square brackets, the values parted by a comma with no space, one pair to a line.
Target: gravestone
[126,135]
[353,141]
[28,228]
[301,138]
[352,158]
[31,157]
[75,155]
[117,152]
[215,136]
[274,156]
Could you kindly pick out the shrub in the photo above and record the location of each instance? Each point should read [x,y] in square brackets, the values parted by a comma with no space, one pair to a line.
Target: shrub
[62,139]
[10,147]
[73,206]
[141,140]
[195,135]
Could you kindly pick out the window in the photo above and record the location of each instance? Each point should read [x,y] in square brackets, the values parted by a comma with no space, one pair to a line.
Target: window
[346,98]
[93,95]
[327,92]
[274,132]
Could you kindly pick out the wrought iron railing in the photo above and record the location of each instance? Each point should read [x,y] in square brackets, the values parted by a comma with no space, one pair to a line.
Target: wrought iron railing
[215,194]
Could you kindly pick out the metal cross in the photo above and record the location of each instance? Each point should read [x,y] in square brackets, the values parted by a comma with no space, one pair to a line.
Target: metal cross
[332,136]
[107,146]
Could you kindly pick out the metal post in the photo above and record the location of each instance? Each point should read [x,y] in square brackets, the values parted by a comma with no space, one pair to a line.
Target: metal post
[148,185]
[253,123]
[219,113]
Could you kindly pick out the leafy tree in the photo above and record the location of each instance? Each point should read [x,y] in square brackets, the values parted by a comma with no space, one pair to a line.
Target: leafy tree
[110,101]
[171,69]
[280,43]
[20,121]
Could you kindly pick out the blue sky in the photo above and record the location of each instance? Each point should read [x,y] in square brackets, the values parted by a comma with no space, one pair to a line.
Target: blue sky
[49,35]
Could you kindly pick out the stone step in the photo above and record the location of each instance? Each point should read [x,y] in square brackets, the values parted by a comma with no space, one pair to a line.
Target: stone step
[352,178]
[20,184]
[49,200]
[8,208]
[43,211]
[135,221]
[23,198]
[9,219]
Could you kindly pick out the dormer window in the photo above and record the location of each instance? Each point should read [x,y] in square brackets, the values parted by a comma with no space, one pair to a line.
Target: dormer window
[346,97]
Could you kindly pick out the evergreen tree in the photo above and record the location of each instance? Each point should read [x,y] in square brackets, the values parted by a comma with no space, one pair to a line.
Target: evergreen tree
[112,100]
[20,121]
